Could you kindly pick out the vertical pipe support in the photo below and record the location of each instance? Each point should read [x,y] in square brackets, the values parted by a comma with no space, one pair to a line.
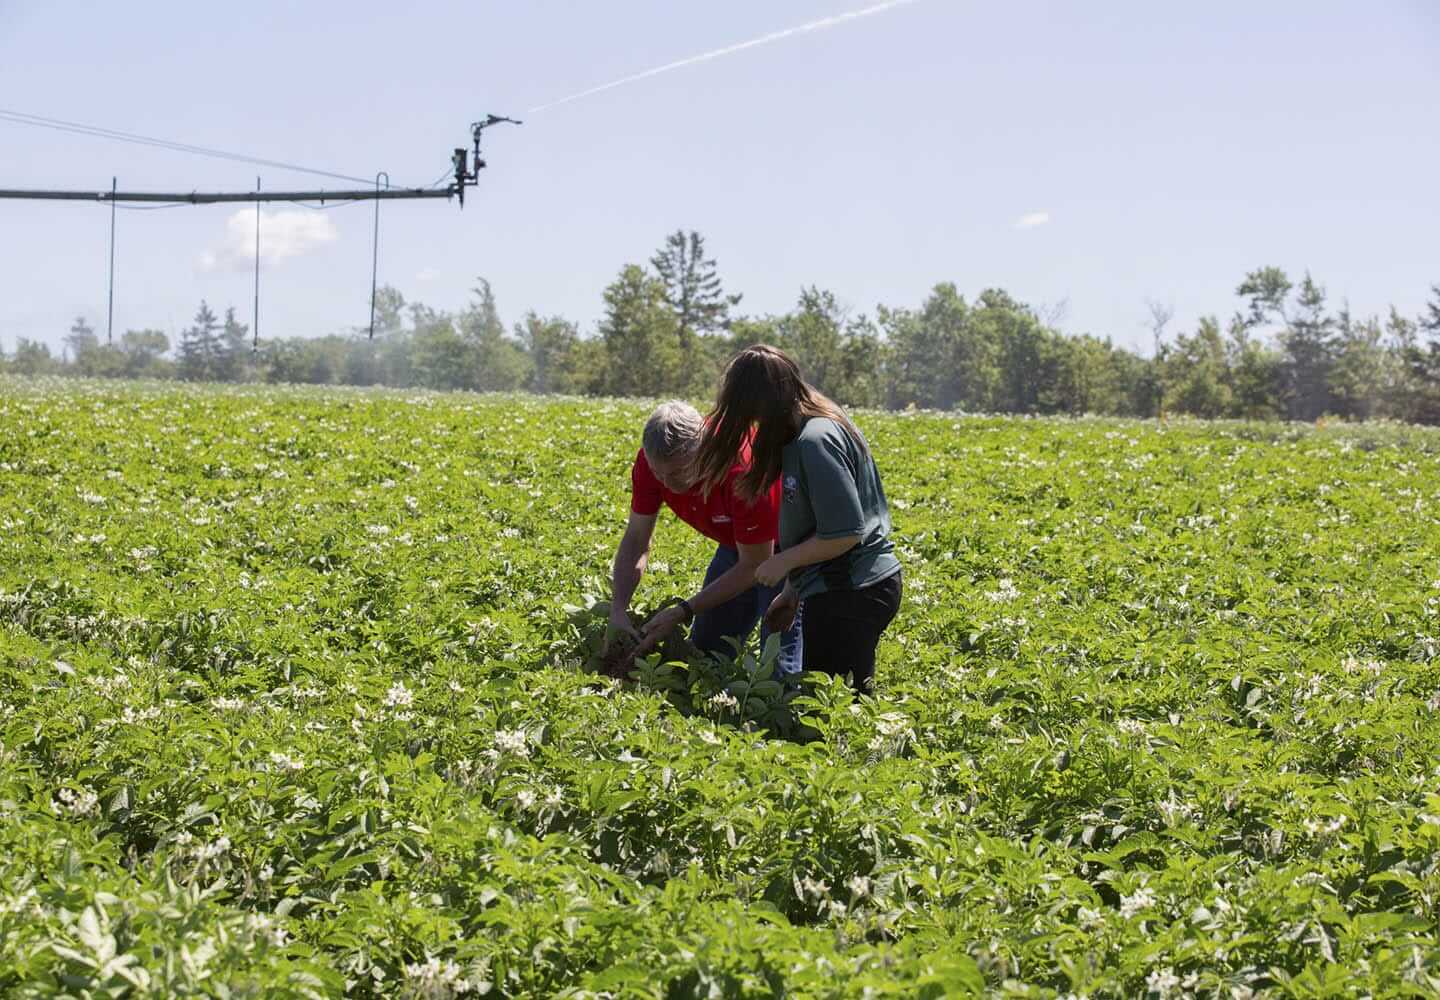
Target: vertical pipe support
[375,251]
[110,308]
[255,316]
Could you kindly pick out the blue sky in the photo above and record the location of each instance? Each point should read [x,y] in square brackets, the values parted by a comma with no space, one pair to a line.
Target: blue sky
[1168,148]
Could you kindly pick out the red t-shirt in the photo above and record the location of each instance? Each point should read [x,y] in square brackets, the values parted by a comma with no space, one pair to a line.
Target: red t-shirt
[723,518]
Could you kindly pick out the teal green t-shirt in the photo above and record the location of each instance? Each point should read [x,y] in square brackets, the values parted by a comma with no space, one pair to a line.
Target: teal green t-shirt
[831,488]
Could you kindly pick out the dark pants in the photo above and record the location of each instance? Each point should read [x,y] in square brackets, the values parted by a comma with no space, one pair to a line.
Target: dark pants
[736,618]
[842,629]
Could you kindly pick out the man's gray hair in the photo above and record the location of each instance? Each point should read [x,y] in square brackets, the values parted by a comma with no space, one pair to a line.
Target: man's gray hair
[672,430]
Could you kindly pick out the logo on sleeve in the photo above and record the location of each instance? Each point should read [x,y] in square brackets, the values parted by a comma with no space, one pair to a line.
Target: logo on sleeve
[792,488]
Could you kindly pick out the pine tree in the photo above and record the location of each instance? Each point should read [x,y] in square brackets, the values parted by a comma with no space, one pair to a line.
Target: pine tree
[1360,370]
[233,349]
[692,290]
[1419,378]
[1310,346]
[200,347]
[81,345]
[1430,318]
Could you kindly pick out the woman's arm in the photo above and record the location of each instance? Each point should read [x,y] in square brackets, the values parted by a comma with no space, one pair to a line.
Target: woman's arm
[813,550]
[736,579]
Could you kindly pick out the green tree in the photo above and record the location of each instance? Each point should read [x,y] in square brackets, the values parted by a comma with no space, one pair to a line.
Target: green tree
[1254,373]
[362,361]
[584,369]
[1266,290]
[200,347]
[33,358]
[439,355]
[143,352]
[747,331]
[1195,373]
[233,350]
[944,355]
[383,359]
[896,327]
[496,363]
[1307,337]
[1310,345]
[1430,318]
[975,343]
[304,361]
[841,355]
[1417,374]
[814,336]
[864,363]
[1360,371]
[551,344]
[1090,377]
[693,291]
[81,345]
[1136,383]
[1151,394]
[106,361]
[642,356]
[1029,357]
[283,361]
[917,359]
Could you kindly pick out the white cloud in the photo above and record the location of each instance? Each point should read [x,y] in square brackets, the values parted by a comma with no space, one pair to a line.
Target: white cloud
[427,274]
[286,233]
[1032,219]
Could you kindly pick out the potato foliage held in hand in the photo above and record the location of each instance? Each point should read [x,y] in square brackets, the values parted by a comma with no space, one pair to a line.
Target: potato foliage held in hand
[298,697]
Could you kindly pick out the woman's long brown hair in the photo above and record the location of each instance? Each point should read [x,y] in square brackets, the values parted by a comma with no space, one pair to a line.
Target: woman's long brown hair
[761,389]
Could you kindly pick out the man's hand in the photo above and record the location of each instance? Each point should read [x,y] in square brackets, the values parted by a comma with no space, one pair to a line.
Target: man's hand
[620,642]
[781,613]
[658,627]
[621,634]
[620,620]
[773,570]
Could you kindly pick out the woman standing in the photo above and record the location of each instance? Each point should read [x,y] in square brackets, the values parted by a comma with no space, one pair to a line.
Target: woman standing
[835,554]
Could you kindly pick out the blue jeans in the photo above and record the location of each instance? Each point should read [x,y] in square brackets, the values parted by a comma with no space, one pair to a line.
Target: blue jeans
[736,619]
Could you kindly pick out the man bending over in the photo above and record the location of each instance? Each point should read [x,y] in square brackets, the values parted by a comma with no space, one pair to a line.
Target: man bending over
[730,602]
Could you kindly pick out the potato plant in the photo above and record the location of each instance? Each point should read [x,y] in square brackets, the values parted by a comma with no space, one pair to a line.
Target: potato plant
[298,698]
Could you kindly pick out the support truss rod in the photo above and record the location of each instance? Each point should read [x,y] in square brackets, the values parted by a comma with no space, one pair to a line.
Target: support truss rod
[199,198]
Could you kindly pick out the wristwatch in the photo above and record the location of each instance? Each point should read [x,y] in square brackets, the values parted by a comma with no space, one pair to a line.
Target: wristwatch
[689,611]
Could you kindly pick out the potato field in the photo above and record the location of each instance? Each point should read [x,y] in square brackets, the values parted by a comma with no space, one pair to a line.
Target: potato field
[297,699]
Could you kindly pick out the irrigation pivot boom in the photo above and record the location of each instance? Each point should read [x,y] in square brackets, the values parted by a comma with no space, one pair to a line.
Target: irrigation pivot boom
[467,165]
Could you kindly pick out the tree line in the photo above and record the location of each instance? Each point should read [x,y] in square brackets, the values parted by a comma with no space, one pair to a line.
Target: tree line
[669,326]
